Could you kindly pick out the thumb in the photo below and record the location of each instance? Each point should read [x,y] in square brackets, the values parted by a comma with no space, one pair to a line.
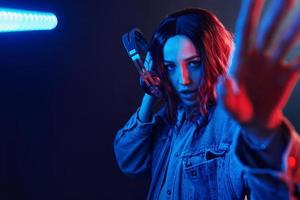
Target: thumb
[235,100]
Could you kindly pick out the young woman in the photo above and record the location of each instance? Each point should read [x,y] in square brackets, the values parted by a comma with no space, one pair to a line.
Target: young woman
[197,147]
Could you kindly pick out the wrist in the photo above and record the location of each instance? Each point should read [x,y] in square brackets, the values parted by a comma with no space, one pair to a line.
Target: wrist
[263,128]
[145,112]
[148,98]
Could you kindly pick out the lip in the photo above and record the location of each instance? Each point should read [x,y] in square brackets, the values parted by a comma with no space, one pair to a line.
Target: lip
[187,91]
[188,94]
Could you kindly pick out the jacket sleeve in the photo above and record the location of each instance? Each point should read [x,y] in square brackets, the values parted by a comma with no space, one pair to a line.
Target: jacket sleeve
[133,144]
[272,168]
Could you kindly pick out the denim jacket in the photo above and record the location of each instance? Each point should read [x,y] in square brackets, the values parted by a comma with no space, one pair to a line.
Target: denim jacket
[208,157]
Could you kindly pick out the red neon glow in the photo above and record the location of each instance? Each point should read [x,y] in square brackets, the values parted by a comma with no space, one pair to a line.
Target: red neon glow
[292,162]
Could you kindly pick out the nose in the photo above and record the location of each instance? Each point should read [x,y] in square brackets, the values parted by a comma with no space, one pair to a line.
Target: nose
[184,75]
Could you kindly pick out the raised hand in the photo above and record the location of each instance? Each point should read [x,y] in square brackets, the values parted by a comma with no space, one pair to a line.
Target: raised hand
[260,80]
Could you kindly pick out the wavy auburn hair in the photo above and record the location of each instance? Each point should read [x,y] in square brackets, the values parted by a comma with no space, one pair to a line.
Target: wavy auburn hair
[213,43]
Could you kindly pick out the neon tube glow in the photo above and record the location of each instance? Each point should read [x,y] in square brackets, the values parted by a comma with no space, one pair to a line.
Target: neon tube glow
[24,20]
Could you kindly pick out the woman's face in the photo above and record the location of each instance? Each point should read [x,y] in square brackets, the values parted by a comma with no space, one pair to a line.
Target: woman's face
[184,68]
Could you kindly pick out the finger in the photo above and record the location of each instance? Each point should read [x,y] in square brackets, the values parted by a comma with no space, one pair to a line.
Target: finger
[271,22]
[226,92]
[246,25]
[146,81]
[288,40]
[230,94]
[236,101]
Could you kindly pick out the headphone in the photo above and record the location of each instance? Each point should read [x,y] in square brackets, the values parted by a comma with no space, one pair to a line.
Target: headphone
[137,49]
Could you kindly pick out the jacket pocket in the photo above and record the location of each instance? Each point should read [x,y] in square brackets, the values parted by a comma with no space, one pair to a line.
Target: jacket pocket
[205,172]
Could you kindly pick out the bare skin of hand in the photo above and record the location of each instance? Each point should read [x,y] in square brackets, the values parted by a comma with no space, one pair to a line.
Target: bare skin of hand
[260,81]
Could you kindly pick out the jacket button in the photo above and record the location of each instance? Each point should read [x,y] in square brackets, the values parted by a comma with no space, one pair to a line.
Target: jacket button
[168,192]
[188,164]
[194,173]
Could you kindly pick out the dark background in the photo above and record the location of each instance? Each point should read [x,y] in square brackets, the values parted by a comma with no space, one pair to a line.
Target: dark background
[65,93]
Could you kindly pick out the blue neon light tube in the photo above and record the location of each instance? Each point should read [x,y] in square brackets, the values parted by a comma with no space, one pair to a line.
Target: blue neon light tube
[12,20]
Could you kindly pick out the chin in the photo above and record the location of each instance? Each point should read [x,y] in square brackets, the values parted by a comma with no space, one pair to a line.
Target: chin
[190,103]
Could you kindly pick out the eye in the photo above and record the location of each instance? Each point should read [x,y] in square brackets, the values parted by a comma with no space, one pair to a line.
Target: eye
[170,66]
[195,63]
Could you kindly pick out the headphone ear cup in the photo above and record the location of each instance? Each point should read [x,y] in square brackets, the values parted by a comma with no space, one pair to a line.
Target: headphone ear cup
[137,49]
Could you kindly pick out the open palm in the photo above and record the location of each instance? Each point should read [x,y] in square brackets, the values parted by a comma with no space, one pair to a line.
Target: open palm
[260,81]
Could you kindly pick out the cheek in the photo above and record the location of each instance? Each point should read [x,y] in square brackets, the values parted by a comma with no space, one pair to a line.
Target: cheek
[173,80]
[197,77]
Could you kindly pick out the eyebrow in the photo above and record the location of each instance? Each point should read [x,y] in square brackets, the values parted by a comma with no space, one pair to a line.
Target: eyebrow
[186,59]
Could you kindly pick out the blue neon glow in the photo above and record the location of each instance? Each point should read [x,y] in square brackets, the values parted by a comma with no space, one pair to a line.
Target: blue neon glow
[132,52]
[25,20]
[135,57]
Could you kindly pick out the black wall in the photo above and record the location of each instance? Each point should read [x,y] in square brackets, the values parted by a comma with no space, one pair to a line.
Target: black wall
[65,93]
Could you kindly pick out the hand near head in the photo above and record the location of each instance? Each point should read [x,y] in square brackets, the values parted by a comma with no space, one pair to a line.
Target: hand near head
[149,80]
[260,80]
[145,112]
